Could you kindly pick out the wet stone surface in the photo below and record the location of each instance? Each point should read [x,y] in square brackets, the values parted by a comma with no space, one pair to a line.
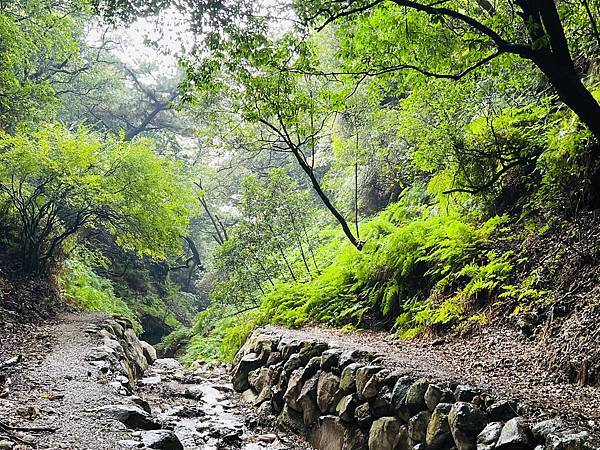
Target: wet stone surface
[71,390]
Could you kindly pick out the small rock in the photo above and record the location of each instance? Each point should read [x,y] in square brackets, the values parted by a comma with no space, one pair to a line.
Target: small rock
[161,439]
[502,411]
[490,434]
[193,392]
[386,434]
[130,443]
[141,403]
[267,438]
[249,396]
[466,422]
[515,435]
[131,416]
[147,381]
[541,430]
[28,411]
[417,427]
[465,393]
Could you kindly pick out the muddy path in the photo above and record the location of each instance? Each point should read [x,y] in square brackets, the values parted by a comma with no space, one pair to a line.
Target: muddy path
[60,396]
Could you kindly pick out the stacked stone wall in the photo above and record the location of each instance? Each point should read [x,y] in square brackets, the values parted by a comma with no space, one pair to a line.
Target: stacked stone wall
[347,400]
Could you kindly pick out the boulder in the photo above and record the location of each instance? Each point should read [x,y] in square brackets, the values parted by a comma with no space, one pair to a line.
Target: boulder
[515,435]
[327,388]
[161,439]
[261,378]
[138,401]
[376,382]
[387,434]
[134,352]
[381,405]
[438,429]
[307,400]
[288,348]
[363,376]
[489,435]
[149,352]
[312,366]
[247,364]
[398,398]
[415,397]
[294,362]
[363,415]
[348,377]
[436,394]
[502,411]
[541,430]
[294,387]
[131,416]
[332,433]
[417,427]
[346,406]
[311,349]
[466,422]
[291,420]
[348,357]
[274,358]
[330,359]
[566,441]
[465,393]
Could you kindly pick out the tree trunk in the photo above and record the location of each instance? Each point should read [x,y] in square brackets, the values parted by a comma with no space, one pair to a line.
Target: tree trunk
[572,92]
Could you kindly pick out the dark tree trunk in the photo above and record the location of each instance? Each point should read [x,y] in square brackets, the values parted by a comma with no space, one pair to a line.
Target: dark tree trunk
[574,94]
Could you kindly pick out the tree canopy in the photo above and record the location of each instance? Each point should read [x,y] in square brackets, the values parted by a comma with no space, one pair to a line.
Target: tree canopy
[55,182]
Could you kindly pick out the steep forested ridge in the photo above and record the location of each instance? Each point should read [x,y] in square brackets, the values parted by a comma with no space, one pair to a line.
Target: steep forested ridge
[428,169]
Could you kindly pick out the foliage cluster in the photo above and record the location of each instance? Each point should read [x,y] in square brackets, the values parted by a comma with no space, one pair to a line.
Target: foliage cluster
[85,289]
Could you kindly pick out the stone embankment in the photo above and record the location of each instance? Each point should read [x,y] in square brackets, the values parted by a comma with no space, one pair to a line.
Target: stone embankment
[344,399]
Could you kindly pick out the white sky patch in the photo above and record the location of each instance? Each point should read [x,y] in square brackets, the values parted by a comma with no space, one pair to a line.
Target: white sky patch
[161,40]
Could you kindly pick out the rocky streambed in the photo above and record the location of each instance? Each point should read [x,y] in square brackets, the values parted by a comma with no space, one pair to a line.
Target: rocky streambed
[87,382]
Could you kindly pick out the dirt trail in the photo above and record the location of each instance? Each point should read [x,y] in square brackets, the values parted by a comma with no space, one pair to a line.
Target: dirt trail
[57,388]
[500,361]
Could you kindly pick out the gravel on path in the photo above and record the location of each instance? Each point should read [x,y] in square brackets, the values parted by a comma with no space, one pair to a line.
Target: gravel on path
[56,387]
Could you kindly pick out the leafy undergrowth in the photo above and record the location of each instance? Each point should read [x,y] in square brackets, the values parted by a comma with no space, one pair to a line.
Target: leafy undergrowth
[417,271]
[86,290]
